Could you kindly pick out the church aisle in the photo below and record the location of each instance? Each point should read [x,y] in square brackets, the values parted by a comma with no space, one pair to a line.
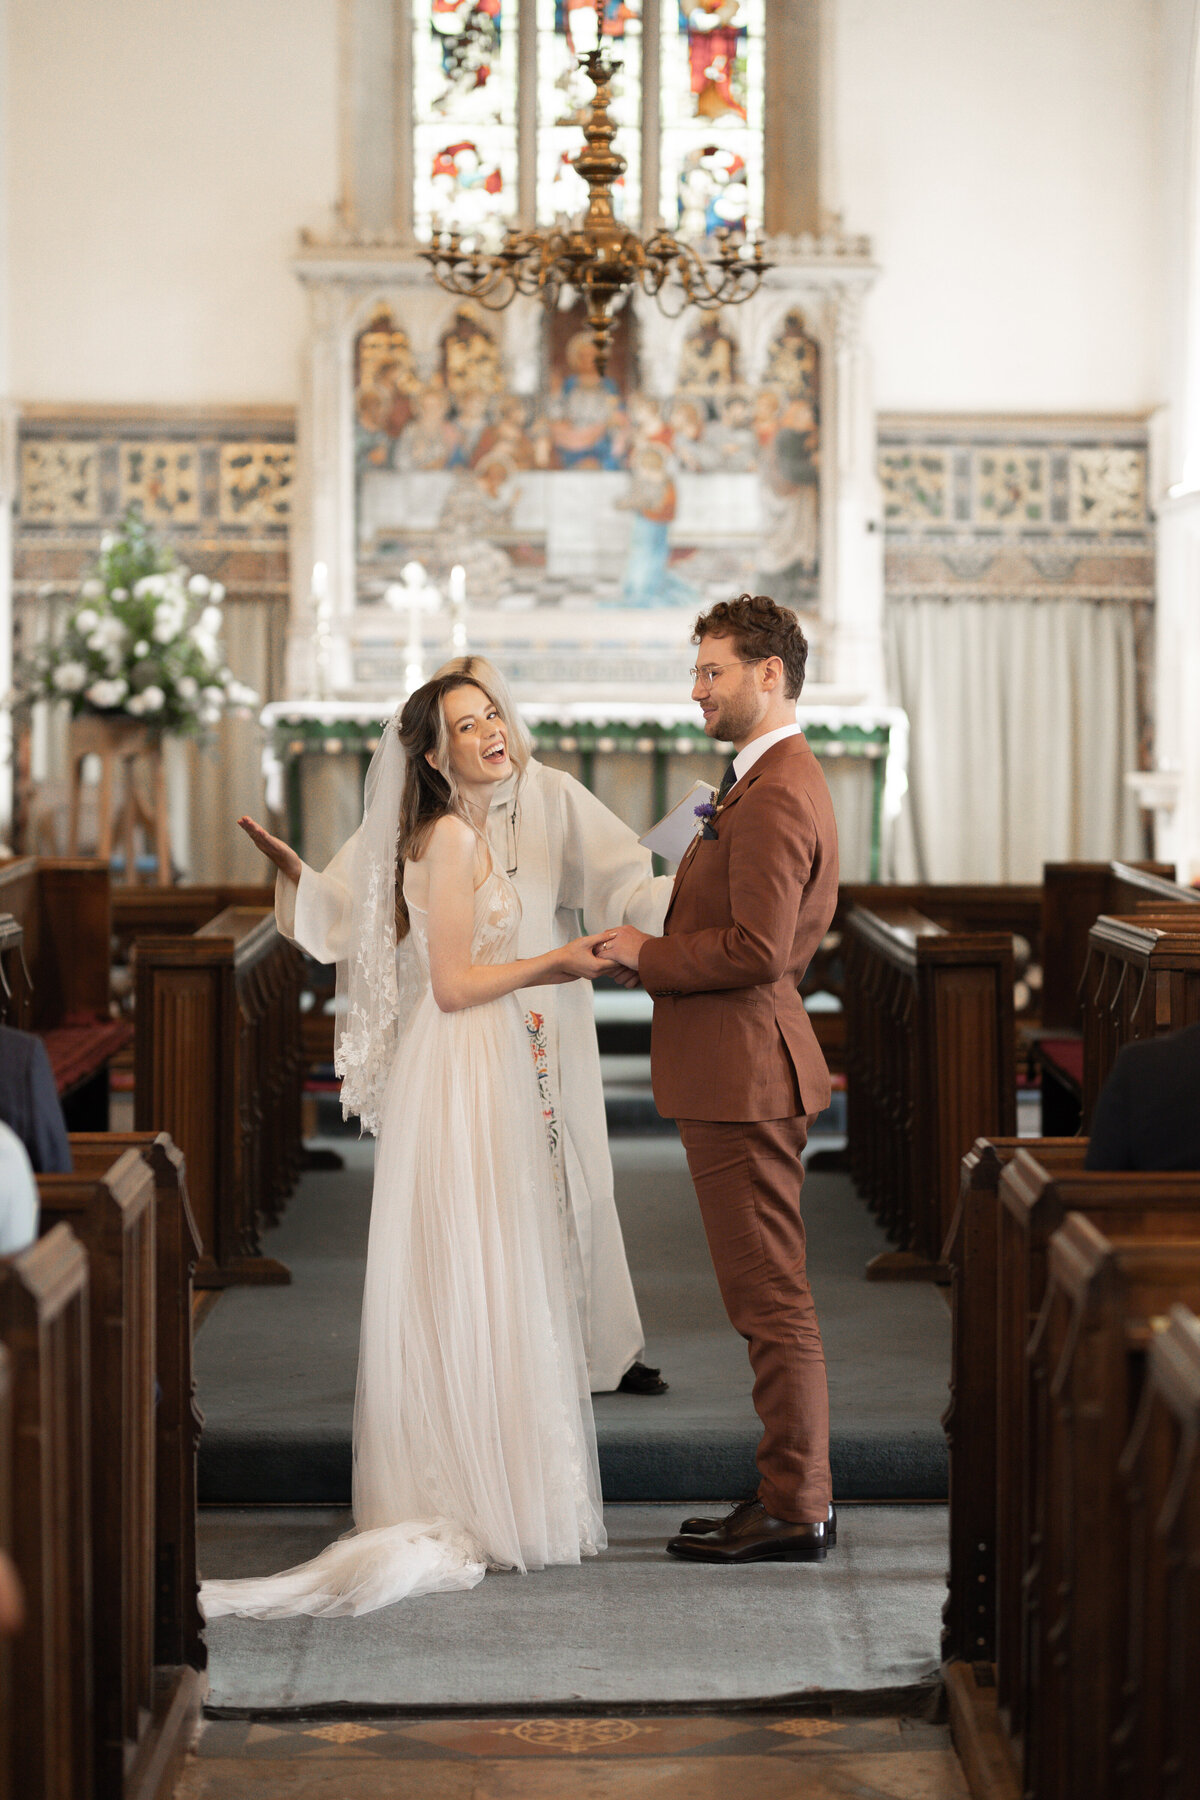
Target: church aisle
[276,1366]
[632,1626]
[693,1756]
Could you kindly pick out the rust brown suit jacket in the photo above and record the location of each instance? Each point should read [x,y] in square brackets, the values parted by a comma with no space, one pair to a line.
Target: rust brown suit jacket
[731,1038]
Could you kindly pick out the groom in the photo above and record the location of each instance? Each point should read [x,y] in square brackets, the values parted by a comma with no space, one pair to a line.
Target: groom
[735,1062]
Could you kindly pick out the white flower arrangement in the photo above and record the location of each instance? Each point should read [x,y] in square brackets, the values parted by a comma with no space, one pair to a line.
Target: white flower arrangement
[142,642]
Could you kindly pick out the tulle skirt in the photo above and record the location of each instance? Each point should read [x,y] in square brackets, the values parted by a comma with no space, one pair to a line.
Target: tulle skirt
[474,1443]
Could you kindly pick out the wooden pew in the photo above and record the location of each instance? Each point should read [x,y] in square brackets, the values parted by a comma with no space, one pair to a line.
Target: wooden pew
[6,1549]
[113,1218]
[1074,897]
[145,1437]
[16,988]
[63,907]
[1035,1201]
[930,1067]
[44,1327]
[1013,908]
[1157,1745]
[1014,1198]
[219,1065]
[178,1625]
[972,1255]
[1087,1361]
[1142,980]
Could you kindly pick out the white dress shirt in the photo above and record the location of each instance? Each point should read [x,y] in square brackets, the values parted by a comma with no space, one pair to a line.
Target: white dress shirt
[749,754]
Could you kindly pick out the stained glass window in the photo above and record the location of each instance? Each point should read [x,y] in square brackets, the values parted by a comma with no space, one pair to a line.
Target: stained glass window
[464,115]
[712,115]
[566,29]
[465,132]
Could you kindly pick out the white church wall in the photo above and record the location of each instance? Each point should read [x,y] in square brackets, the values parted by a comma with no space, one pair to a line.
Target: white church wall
[162,160]
[1006,162]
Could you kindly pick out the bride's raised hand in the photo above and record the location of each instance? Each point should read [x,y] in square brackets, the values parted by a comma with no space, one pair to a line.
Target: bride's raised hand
[273,848]
[583,959]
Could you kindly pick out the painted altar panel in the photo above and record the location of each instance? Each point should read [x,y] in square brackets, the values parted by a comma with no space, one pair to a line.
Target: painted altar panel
[689,471]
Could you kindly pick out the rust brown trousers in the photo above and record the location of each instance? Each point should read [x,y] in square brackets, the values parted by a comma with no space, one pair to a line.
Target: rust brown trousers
[735,1063]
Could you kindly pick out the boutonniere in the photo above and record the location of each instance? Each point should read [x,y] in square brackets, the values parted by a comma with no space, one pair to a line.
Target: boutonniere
[708,813]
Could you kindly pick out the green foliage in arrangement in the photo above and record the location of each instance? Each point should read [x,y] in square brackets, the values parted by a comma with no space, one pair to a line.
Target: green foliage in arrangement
[142,641]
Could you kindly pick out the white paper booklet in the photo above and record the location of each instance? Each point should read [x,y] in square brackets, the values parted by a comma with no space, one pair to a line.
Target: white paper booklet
[673,833]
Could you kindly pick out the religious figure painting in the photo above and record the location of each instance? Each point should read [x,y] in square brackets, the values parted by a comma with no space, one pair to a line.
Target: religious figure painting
[715,29]
[631,488]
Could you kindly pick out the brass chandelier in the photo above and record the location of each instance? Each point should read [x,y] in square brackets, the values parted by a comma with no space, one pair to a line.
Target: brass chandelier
[598,258]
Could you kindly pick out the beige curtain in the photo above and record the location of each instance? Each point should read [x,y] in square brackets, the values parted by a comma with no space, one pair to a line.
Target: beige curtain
[1024,724]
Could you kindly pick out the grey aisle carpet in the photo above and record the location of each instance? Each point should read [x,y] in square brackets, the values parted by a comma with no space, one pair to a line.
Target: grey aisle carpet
[630,1626]
[276,1366]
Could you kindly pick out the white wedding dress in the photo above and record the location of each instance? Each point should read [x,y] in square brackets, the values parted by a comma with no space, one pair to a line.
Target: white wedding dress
[474,1442]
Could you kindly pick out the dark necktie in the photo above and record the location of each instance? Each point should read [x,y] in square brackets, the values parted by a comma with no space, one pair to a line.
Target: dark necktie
[727,781]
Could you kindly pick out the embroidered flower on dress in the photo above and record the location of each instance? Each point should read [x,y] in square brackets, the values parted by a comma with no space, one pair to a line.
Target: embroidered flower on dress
[535,1025]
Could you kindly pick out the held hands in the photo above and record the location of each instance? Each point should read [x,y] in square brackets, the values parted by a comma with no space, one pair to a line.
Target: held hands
[623,945]
[273,848]
[583,958]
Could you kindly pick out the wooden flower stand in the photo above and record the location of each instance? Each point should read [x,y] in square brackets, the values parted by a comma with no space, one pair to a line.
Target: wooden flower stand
[119,743]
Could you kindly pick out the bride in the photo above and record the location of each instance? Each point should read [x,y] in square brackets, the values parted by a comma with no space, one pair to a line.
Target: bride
[474,1443]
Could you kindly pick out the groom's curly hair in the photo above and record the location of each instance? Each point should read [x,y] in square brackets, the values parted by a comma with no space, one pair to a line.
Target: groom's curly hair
[759,627]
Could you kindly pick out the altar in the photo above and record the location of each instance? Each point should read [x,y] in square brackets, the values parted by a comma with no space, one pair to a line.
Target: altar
[639,757]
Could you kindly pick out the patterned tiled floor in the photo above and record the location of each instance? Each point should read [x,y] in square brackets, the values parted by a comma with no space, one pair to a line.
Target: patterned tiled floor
[694,1756]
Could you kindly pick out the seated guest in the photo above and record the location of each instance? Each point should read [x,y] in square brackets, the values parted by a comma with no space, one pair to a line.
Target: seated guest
[1148,1113]
[29,1101]
[18,1195]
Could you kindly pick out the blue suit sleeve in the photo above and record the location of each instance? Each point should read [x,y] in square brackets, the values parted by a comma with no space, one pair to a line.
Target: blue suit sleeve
[49,1150]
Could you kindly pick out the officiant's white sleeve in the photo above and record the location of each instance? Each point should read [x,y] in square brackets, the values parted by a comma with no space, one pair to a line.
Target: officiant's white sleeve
[315,911]
[607,875]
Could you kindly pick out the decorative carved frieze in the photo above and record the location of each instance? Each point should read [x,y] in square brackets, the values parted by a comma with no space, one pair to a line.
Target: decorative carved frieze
[163,479]
[60,482]
[217,482]
[256,484]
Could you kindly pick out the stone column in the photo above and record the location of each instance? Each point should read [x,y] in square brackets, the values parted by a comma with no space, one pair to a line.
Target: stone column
[1172,790]
[323,527]
[792,135]
[858,550]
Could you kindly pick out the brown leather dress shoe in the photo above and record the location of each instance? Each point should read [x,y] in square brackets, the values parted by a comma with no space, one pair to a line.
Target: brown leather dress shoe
[705,1527]
[752,1534]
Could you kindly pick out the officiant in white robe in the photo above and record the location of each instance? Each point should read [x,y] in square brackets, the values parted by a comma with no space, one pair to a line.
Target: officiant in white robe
[570,858]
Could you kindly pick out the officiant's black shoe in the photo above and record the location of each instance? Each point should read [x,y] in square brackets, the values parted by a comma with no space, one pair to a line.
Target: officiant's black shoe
[705,1527]
[752,1534]
[638,1379]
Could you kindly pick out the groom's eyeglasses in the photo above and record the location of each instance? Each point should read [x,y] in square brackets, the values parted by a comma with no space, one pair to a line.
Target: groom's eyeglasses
[708,674]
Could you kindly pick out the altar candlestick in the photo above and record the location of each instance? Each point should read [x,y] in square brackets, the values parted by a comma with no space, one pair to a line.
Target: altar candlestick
[458,609]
